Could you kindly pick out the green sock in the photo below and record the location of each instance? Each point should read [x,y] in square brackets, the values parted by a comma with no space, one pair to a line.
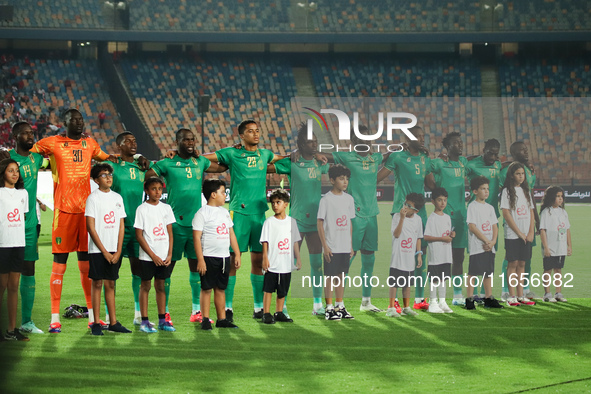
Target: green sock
[367,263]
[195,281]
[167,291]
[528,272]
[105,301]
[257,290]
[230,291]
[316,273]
[136,282]
[506,280]
[422,272]
[27,290]
[457,288]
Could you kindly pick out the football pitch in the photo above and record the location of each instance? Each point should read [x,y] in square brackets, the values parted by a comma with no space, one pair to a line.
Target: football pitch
[544,348]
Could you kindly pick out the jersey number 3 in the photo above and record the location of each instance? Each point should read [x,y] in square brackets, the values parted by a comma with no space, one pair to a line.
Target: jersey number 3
[77,155]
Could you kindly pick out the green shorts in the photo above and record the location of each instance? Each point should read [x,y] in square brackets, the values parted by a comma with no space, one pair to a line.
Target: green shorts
[182,242]
[248,231]
[131,247]
[365,233]
[31,241]
[460,226]
[304,227]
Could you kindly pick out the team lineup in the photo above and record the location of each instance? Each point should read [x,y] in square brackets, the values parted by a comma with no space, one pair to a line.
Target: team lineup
[114,222]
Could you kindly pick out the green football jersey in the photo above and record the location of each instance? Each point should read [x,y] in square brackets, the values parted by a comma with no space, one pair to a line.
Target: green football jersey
[409,175]
[29,168]
[364,180]
[476,167]
[248,170]
[305,187]
[451,176]
[184,179]
[128,181]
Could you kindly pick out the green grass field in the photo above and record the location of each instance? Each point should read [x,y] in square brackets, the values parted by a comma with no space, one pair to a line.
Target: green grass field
[506,350]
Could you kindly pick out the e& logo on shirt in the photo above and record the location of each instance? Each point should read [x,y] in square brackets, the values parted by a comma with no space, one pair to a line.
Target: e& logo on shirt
[14,216]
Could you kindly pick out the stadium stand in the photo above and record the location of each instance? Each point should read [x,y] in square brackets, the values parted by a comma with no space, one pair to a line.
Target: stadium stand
[554,113]
[52,85]
[64,14]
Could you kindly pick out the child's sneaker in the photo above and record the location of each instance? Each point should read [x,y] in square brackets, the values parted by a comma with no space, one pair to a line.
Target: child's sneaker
[391,312]
[548,297]
[268,318]
[492,303]
[458,301]
[470,304]
[559,297]
[96,329]
[147,328]
[345,314]
[104,325]
[512,301]
[282,317]
[434,308]
[366,306]
[421,305]
[478,299]
[531,295]
[505,296]
[166,326]
[15,336]
[331,314]
[444,307]
[30,328]
[118,327]
[397,306]
[525,301]
[319,311]
[408,312]
[225,323]
[168,319]
[206,325]
[138,322]
[55,328]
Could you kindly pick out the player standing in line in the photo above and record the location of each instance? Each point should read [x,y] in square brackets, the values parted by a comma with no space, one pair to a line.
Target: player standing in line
[70,157]
[280,247]
[128,181]
[105,221]
[184,176]
[488,166]
[439,235]
[335,213]
[410,168]
[451,175]
[483,225]
[519,228]
[362,187]
[520,153]
[29,165]
[14,205]
[556,241]
[153,229]
[248,204]
[305,182]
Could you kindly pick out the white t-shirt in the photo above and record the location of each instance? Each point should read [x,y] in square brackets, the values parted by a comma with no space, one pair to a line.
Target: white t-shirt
[153,219]
[280,237]
[337,212]
[439,226]
[107,209]
[215,224]
[405,246]
[14,203]
[521,214]
[555,222]
[484,217]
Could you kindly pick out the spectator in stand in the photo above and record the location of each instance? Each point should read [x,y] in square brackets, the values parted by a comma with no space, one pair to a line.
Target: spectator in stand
[101,119]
